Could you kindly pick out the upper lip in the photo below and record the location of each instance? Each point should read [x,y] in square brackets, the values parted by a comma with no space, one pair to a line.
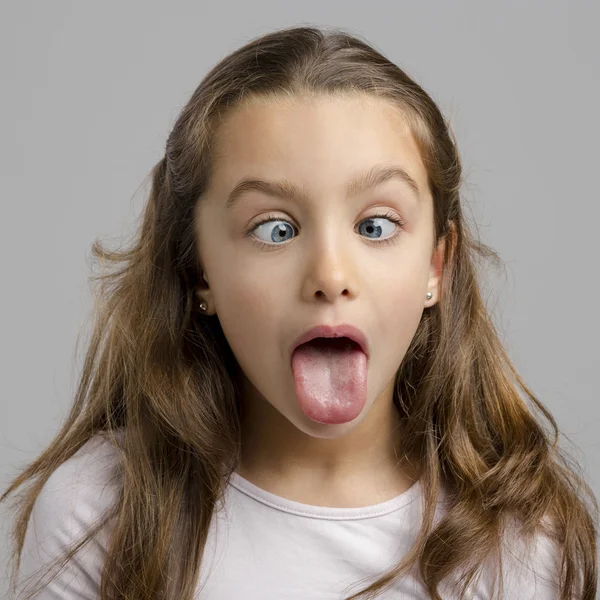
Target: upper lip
[333,331]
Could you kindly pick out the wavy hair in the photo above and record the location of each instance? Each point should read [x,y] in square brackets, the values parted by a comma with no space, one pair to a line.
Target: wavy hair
[164,376]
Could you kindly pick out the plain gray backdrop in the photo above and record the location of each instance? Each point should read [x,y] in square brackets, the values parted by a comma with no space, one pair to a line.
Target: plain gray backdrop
[90,91]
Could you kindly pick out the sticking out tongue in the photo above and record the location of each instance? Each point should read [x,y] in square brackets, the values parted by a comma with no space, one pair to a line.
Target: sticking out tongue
[330,377]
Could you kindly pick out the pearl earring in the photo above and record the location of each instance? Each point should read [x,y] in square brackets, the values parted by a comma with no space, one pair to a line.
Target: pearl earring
[429,296]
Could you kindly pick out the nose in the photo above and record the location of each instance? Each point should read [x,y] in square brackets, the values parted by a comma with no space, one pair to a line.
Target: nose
[330,270]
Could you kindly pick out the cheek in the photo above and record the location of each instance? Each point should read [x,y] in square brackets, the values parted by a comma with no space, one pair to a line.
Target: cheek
[249,294]
[400,308]
[247,307]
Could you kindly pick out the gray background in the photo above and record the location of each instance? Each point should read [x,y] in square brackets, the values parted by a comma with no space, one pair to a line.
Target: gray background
[91,89]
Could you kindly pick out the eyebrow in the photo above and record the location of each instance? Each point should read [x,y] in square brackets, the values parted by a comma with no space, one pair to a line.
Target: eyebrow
[374,177]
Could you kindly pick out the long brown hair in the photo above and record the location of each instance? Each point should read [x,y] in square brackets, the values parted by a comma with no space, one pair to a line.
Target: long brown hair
[164,376]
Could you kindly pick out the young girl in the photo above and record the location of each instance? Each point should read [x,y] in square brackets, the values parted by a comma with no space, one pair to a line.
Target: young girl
[293,388]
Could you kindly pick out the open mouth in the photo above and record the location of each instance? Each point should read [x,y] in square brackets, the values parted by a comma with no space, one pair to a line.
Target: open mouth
[337,343]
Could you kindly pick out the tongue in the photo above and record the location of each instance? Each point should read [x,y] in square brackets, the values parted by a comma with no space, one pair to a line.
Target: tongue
[330,377]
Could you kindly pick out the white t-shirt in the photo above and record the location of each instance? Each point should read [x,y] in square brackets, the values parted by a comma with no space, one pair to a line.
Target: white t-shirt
[260,546]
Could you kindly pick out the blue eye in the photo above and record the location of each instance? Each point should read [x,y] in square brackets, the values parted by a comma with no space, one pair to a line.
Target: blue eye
[283,228]
[275,233]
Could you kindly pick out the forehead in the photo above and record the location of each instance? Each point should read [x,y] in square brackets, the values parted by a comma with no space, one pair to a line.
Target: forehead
[319,142]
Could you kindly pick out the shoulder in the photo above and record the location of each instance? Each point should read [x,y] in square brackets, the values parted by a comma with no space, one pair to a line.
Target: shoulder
[529,569]
[79,490]
[75,498]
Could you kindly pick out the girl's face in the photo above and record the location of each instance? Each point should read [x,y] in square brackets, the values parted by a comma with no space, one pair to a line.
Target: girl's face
[323,260]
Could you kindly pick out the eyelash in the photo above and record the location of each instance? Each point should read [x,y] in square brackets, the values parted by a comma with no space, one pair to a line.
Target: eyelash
[388,215]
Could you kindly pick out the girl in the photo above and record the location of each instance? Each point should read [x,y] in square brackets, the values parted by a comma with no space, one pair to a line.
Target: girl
[293,388]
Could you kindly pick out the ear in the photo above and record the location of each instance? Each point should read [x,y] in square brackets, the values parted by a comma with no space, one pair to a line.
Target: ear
[437,265]
[202,290]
